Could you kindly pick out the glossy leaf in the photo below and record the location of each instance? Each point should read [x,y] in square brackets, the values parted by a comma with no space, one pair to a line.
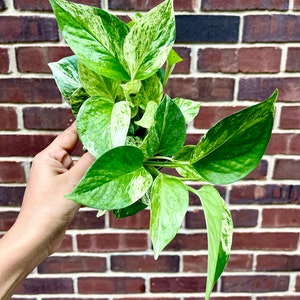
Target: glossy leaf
[95,36]
[65,73]
[189,108]
[169,202]
[129,210]
[115,180]
[233,147]
[167,135]
[102,124]
[219,230]
[147,45]
[172,59]
[77,99]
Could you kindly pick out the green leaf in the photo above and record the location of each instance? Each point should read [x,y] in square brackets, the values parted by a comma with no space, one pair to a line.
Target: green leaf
[172,60]
[95,36]
[148,117]
[65,73]
[96,84]
[169,202]
[102,124]
[77,99]
[129,210]
[189,108]
[147,45]
[219,230]
[114,181]
[168,133]
[233,147]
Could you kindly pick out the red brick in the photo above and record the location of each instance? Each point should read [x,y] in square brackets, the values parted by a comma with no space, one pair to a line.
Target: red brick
[244,217]
[184,66]
[11,171]
[59,298]
[284,144]
[257,88]
[289,117]
[265,194]
[138,221]
[229,5]
[11,195]
[147,298]
[271,28]
[254,284]
[179,5]
[9,119]
[297,287]
[293,61]
[278,263]
[34,286]
[201,89]
[67,244]
[144,263]
[2,5]
[278,297]
[209,115]
[87,220]
[44,5]
[220,298]
[273,241]
[296,4]
[111,285]
[112,242]
[278,218]
[187,284]
[4,61]
[7,219]
[245,60]
[72,264]
[188,242]
[287,169]
[23,29]
[47,118]
[36,59]
[29,90]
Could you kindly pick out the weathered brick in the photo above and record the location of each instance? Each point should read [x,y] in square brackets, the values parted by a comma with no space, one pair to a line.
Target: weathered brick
[111,285]
[29,90]
[112,242]
[147,298]
[273,241]
[220,298]
[67,244]
[187,284]
[72,264]
[47,118]
[284,144]
[254,284]
[286,297]
[34,286]
[259,173]
[2,5]
[289,117]
[11,195]
[279,263]
[293,60]
[287,169]
[207,29]
[271,28]
[44,5]
[11,171]
[7,219]
[145,263]
[87,220]
[36,59]
[201,89]
[23,145]
[232,5]
[296,5]
[280,218]
[9,119]
[62,298]
[258,88]
[264,194]
[188,242]
[138,221]
[184,66]
[24,29]
[245,60]
[4,61]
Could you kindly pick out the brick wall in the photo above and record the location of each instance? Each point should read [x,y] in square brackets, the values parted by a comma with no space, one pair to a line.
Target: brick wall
[235,53]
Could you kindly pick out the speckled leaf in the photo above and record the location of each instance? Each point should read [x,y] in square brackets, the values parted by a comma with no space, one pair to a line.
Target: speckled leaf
[150,40]
[233,147]
[189,108]
[219,230]
[114,181]
[95,36]
[169,202]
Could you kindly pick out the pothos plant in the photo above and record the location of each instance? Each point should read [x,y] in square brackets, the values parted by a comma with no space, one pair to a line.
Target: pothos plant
[115,86]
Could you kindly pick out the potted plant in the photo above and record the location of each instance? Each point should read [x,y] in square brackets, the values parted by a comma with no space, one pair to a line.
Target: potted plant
[115,86]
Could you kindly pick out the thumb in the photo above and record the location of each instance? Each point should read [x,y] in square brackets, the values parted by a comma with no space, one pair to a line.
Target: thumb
[81,166]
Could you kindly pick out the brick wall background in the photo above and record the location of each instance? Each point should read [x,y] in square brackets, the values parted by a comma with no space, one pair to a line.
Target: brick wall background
[235,54]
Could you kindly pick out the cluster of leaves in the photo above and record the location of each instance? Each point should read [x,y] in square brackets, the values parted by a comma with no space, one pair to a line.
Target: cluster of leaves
[115,86]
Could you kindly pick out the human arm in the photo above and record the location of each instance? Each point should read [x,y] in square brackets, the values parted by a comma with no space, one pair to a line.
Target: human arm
[45,213]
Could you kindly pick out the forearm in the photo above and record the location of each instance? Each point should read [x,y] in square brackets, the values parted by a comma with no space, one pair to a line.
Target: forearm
[20,253]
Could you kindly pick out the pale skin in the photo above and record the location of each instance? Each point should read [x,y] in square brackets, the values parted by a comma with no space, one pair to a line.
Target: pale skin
[45,213]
